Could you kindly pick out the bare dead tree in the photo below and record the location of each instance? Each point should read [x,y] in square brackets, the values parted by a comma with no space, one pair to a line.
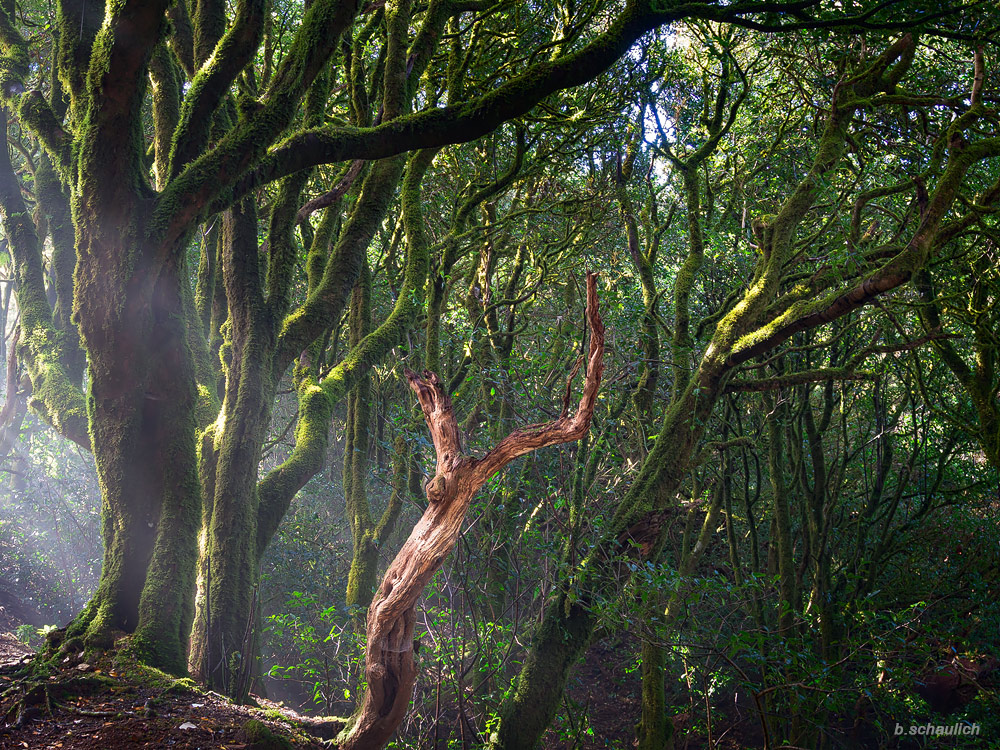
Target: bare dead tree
[389,657]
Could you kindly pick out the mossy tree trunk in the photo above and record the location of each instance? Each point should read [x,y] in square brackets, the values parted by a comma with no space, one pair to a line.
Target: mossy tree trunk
[744,331]
[222,651]
[133,218]
[143,427]
[142,394]
[143,401]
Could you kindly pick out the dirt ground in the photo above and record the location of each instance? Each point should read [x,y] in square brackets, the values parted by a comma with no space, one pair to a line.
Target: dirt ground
[97,707]
[11,649]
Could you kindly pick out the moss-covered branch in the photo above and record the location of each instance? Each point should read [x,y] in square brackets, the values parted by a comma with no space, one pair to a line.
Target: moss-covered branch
[184,200]
[282,255]
[77,25]
[53,199]
[798,378]
[208,25]
[397,27]
[449,249]
[893,274]
[279,486]
[343,266]
[788,604]
[235,166]
[112,174]
[29,107]
[182,39]
[276,490]
[232,54]
[376,345]
[166,77]
[42,348]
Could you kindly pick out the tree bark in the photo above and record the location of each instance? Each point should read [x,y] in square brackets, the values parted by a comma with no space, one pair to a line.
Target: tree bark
[222,655]
[142,407]
[389,657]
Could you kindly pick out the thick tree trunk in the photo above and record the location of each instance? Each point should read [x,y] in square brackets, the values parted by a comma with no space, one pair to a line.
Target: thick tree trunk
[222,652]
[166,608]
[142,405]
[142,395]
[560,641]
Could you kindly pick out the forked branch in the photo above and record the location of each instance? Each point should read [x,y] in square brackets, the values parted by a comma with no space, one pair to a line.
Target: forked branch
[389,657]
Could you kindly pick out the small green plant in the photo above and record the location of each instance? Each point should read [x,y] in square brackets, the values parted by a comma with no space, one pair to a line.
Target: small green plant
[29,635]
[43,632]
[25,633]
[313,659]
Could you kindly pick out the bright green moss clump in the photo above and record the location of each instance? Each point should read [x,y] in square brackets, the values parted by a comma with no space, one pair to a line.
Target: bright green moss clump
[259,736]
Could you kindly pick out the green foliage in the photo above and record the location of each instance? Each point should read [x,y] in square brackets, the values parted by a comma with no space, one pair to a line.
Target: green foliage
[26,633]
[757,204]
[49,550]
[309,658]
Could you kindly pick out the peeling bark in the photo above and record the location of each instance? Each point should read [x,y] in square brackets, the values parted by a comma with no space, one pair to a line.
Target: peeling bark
[389,658]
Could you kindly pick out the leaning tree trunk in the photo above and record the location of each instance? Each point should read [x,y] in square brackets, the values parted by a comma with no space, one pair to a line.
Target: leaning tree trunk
[389,657]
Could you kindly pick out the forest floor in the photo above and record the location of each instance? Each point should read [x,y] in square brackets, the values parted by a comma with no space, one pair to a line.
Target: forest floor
[114,704]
